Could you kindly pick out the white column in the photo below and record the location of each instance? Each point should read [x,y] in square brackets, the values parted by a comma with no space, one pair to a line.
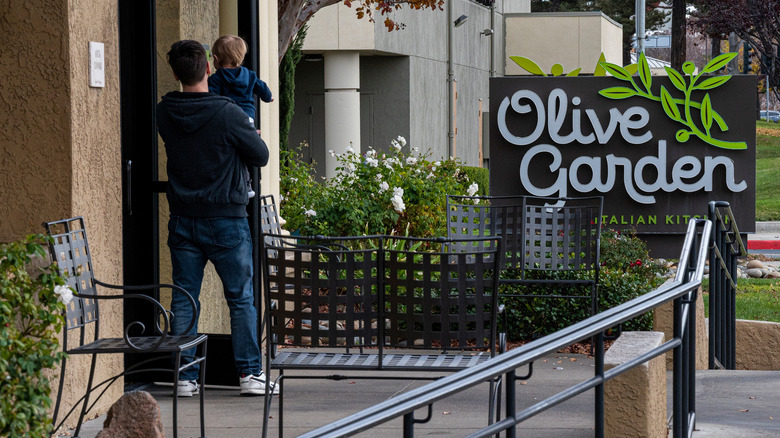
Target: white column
[342,105]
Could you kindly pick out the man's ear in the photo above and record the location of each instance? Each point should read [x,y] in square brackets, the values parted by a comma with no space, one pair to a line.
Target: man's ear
[176,78]
[208,69]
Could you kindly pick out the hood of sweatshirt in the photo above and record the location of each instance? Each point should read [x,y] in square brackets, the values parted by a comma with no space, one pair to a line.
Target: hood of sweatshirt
[238,78]
[190,111]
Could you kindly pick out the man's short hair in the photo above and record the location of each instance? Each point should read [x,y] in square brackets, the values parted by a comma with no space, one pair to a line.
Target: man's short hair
[230,50]
[188,61]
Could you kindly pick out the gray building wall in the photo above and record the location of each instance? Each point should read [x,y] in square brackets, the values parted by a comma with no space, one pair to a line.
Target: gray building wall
[404,83]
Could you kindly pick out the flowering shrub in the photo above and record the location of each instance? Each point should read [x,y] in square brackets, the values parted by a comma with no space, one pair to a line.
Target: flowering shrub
[395,193]
[627,271]
[31,304]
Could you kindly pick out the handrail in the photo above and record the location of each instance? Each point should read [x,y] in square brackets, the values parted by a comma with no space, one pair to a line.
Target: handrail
[725,248]
[687,280]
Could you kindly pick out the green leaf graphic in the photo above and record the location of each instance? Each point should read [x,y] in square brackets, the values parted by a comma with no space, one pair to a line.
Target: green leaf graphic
[616,71]
[632,69]
[528,65]
[644,71]
[600,71]
[556,70]
[617,92]
[670,108]
[574,72]
[718,62]
[706,113]
[711,83]
[677,80]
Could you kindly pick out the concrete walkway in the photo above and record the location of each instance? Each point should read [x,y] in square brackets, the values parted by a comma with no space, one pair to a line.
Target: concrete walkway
[729,404]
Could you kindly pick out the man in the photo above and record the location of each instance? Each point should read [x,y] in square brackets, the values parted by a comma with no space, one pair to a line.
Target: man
[208,141]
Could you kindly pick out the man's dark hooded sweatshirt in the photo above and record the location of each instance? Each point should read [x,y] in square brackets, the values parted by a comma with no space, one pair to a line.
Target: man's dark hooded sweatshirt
[207,141]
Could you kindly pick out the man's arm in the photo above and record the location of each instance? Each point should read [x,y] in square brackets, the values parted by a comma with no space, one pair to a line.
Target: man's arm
[251,148]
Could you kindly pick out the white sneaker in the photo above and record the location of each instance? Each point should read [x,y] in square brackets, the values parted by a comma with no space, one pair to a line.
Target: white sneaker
[255,385]
[187,388]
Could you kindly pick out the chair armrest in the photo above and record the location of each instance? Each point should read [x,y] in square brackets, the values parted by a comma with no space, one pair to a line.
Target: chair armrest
[165,329]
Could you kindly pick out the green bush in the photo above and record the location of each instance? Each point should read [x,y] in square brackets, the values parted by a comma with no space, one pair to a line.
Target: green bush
[395,193]
[31,306]
[626,273]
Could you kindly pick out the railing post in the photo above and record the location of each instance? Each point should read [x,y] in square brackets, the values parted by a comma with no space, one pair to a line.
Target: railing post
[677,402]
[409,425]
[599,402]
[511,398]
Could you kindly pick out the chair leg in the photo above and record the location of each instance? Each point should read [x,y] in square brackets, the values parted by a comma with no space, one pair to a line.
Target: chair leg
[203,392]
[281,403]
[59,394]
[176,366]
[86,396]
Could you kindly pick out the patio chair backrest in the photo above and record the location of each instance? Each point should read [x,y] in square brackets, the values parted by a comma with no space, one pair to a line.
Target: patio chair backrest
[562,234]
[435,298]
[307,279]
[74,263]
[488,216]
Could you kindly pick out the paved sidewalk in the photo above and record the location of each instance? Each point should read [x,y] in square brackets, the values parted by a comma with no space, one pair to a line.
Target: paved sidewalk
[729,404]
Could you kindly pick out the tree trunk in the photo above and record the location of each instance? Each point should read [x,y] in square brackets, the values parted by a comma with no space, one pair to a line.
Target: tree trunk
[292,15]
[678,34]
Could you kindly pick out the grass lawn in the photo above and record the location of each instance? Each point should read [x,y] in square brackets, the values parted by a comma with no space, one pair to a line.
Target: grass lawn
[767,171]
[757,299]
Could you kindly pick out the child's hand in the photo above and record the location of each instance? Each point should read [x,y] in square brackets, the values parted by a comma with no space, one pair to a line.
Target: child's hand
[258,132]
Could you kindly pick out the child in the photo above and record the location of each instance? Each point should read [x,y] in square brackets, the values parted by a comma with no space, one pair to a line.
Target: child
[237,82]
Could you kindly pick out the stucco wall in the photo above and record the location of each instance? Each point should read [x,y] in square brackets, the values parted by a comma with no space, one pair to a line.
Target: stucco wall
[35,159]
[571,39]
[95,143]
[59,153]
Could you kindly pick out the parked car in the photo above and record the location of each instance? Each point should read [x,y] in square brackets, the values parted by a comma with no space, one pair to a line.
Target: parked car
[770,116]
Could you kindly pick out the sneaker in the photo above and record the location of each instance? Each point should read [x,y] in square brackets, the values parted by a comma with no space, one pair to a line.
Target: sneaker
[251,193]
[187,388]
[255,385]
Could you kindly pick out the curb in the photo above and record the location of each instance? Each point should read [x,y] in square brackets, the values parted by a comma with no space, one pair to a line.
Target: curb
[763,244]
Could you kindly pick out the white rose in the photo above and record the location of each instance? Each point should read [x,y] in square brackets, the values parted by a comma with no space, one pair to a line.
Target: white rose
[64,294]
[383,186]
[472,190]
[402,140]
[398,204]
[310,213]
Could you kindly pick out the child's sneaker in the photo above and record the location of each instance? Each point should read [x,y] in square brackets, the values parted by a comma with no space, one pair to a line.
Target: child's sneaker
[251,193]
[255,385]
[187,388]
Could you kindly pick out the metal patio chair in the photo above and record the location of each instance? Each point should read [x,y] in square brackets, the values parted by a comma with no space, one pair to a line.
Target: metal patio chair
[70,250]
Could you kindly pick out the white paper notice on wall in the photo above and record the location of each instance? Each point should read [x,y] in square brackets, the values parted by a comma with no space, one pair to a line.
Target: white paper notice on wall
[97,65]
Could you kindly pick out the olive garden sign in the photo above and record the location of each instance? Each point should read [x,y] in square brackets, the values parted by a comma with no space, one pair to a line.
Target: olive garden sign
[658,149]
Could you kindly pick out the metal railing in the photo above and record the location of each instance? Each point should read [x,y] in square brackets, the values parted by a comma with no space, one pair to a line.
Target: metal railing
[682,290]
[726,247]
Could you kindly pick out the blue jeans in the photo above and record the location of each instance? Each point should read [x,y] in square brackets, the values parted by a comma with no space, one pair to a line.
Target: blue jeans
[227,243]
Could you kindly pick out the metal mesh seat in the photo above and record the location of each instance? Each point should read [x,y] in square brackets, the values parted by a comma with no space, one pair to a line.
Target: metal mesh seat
[363,308]
[70,250]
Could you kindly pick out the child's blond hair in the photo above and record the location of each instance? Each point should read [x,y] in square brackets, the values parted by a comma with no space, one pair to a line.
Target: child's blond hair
[229,50]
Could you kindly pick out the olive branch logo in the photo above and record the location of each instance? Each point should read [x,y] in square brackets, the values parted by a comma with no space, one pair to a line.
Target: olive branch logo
[671,105]
[708,116]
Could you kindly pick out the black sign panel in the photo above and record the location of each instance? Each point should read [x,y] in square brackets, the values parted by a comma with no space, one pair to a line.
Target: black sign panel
[657,154]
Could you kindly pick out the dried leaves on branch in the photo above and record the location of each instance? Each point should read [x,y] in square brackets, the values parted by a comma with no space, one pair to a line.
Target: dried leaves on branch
[293,14]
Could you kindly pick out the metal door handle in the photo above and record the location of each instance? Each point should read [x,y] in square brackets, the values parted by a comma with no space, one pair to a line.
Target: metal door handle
[128,168]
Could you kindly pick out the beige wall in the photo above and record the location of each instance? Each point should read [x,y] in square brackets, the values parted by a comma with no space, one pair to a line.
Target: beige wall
[60,146]
[572,39]
[35,156]
[337,28]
